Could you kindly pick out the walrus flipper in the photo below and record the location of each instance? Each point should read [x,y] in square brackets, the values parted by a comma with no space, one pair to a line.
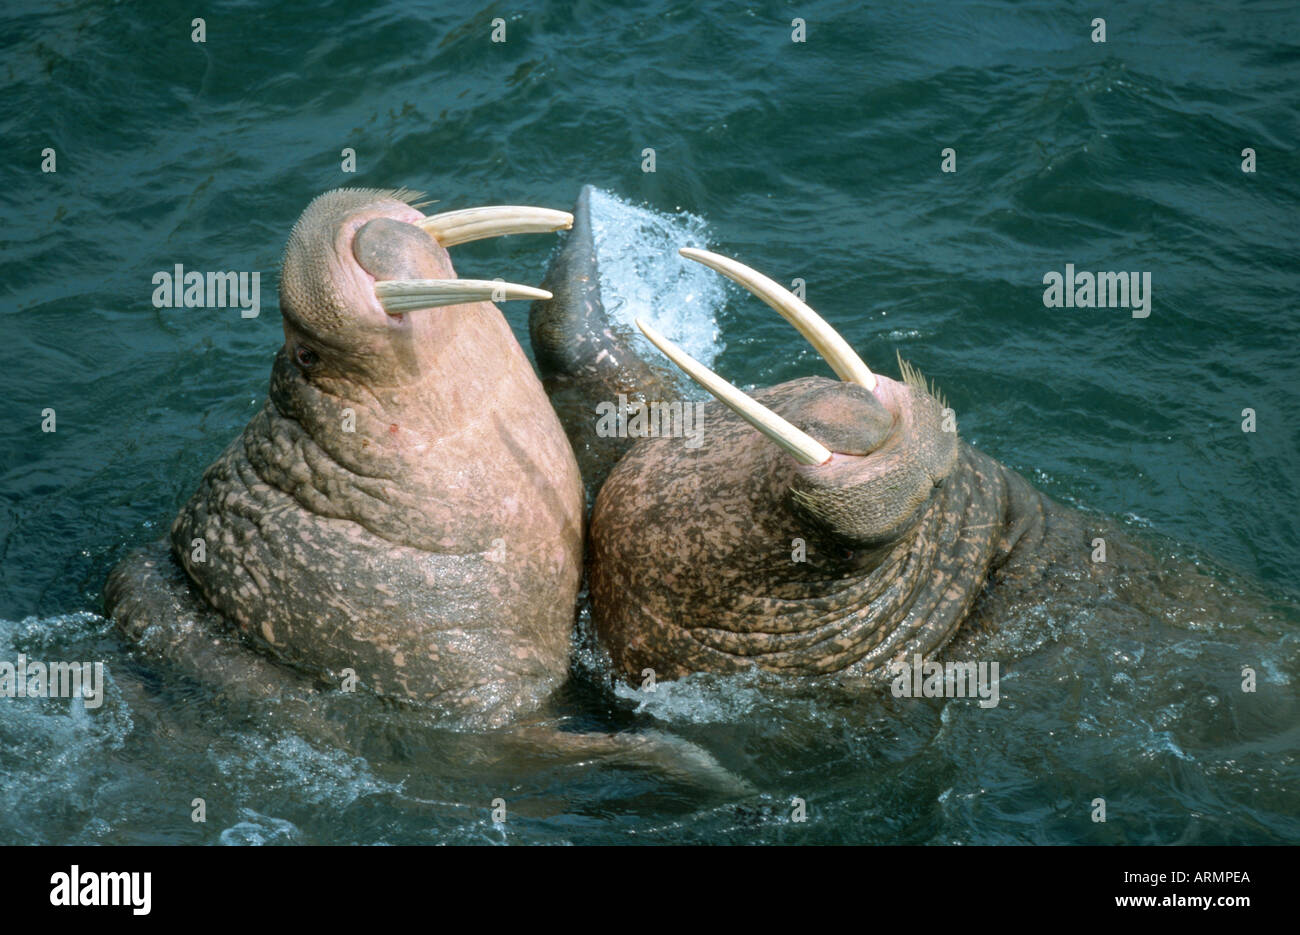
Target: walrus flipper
[665,755]
[583,359]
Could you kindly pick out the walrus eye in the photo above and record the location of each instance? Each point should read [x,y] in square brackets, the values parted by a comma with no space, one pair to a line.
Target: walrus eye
[305,356]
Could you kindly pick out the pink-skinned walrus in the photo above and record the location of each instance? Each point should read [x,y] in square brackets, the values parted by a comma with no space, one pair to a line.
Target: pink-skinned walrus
[404,514]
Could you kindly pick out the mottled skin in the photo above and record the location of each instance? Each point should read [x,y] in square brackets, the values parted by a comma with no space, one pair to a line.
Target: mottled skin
[692,552]
[404,505]
[732,555]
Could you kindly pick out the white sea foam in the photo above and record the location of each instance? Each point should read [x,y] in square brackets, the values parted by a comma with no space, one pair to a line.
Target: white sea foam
[700,698]
[325,777]
[56,753]
[642,276]
[257,829]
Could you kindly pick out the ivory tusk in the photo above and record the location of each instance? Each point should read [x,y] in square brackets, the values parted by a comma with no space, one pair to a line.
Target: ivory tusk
[804,448]
[825,340]
[456,227]
[408,295]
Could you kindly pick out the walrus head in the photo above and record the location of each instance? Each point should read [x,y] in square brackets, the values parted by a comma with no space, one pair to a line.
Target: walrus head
[863,535]
[359,262]
[871,451]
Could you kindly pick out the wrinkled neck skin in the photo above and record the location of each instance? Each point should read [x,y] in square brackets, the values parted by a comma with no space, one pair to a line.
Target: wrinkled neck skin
[720,544]
[434,550]
[411,442]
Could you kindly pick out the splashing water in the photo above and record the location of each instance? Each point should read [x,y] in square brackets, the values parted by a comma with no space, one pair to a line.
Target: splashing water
[1099,410]
[642,276]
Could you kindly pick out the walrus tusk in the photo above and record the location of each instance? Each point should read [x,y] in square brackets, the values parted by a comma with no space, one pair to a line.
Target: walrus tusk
[846,363]
[804,448]
[455,227]
[408,295]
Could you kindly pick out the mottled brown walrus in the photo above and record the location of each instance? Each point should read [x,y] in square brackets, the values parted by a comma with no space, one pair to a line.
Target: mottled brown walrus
[835,530]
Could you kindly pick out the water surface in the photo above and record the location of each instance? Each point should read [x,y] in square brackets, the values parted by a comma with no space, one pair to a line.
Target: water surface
[817,160]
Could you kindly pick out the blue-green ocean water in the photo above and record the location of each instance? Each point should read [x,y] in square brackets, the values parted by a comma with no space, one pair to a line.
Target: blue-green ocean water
[818,160]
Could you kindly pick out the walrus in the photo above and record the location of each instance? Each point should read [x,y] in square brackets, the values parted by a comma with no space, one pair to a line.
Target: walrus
[581,356]
[404,511]
[826,529]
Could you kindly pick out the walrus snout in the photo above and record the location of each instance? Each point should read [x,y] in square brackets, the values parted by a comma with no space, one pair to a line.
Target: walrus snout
[872,498]
[870,450]
[846,418]
[357,252]
[387,248]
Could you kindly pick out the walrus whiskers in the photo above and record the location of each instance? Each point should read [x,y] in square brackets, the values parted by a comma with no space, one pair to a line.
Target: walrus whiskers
[802,446]
[846,363]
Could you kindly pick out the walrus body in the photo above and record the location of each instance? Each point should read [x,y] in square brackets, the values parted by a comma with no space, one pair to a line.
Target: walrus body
[404,509]
[700,561]
[869,535]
